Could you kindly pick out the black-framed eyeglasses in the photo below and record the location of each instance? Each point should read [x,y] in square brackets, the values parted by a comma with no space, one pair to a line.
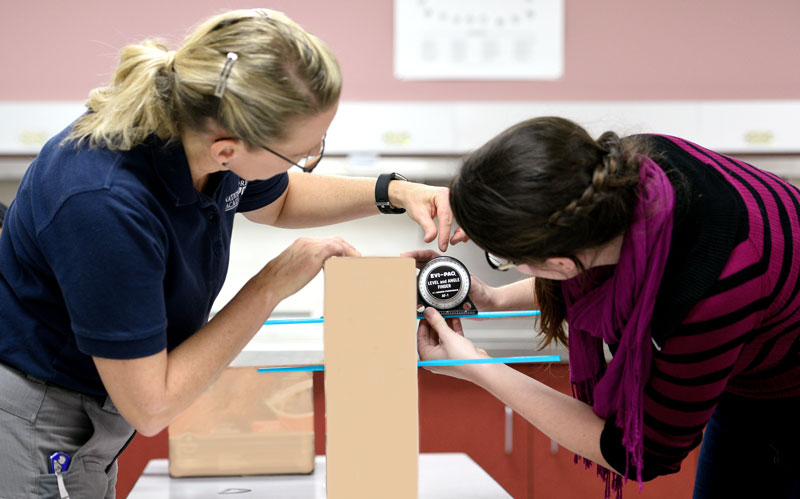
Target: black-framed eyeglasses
[498,263]
[307,163]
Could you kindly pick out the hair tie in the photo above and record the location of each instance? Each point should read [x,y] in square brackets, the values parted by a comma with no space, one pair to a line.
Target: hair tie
[219,91]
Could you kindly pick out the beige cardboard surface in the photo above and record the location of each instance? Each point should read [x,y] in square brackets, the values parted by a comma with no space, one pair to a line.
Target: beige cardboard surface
[246,423]
[372,434]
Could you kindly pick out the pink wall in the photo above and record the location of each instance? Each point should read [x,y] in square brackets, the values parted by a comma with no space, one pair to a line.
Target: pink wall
[615,49]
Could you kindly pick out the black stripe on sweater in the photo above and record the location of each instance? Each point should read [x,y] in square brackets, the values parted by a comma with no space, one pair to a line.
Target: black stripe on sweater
[671,429]
[710,220]
[789,361]
[679,405]
[704,355]
[706,379]
[758,268]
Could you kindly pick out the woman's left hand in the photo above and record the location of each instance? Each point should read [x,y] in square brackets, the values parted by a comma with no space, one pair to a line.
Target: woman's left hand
[443,339]
[423,203]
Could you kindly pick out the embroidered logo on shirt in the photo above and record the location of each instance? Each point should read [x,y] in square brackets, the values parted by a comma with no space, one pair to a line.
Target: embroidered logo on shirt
[232,200]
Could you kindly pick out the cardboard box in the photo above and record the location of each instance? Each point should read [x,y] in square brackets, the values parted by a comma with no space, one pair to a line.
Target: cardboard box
[246,424]
[371,400]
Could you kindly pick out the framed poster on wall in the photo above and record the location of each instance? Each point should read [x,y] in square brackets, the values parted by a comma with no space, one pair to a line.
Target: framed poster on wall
[478,39]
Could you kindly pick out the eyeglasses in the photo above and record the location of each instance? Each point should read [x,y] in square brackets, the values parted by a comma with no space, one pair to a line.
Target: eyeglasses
[307,163]
[498,263]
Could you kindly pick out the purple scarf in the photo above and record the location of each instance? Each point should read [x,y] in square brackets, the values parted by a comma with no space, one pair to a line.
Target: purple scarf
[618,311]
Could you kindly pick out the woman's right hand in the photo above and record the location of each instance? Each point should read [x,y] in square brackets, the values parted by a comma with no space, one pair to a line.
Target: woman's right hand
[482,295]
[298,264]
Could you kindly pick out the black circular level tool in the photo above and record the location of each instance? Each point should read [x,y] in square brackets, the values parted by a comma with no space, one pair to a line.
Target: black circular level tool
[443,283]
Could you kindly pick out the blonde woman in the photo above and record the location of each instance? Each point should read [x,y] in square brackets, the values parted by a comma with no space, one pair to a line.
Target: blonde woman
[117,242]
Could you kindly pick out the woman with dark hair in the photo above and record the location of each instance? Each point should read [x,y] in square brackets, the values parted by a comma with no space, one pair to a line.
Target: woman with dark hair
[682,261]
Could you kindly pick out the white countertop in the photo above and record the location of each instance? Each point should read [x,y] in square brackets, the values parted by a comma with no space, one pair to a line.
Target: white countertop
[441,476]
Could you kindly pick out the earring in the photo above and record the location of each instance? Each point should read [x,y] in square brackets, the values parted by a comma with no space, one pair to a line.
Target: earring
[224,165]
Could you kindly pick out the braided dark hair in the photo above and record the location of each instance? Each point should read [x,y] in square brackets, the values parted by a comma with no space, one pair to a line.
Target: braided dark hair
[544,188]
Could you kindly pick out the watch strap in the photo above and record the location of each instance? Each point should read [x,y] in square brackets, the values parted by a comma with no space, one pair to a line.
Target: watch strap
[382,193]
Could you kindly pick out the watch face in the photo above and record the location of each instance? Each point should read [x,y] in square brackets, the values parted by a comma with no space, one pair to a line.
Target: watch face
[443,283]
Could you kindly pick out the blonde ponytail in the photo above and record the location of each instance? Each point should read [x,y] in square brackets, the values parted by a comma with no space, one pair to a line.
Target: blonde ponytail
[135,105]
[281,73]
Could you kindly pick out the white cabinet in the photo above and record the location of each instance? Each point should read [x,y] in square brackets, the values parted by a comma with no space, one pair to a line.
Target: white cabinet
[419,128]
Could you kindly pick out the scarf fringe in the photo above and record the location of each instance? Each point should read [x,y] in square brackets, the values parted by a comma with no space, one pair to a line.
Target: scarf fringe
[630,416]
[613,481]
[584,390]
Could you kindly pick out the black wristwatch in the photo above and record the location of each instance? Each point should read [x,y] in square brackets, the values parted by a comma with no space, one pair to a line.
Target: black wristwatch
[382,193]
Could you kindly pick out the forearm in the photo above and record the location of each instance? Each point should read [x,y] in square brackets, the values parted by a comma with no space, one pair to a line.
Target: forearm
[150,392]
[516,296]
[315,200]
[568,421]
[197,362]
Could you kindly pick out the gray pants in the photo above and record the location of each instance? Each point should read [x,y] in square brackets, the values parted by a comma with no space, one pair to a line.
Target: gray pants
[38,419]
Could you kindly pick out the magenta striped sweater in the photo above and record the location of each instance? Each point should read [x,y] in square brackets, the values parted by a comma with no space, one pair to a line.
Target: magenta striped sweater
[727,318]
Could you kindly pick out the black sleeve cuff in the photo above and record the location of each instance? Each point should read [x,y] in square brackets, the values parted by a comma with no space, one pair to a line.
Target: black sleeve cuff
[260,193]
[614,453]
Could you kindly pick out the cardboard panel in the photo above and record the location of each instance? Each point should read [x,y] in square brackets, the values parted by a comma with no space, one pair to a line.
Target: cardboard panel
[371,399]
[246,423]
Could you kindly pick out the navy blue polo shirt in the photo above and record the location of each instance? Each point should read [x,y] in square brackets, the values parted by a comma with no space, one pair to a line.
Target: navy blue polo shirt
[113,254]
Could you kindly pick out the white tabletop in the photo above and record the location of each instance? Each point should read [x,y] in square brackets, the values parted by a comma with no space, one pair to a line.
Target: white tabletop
[441,476]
